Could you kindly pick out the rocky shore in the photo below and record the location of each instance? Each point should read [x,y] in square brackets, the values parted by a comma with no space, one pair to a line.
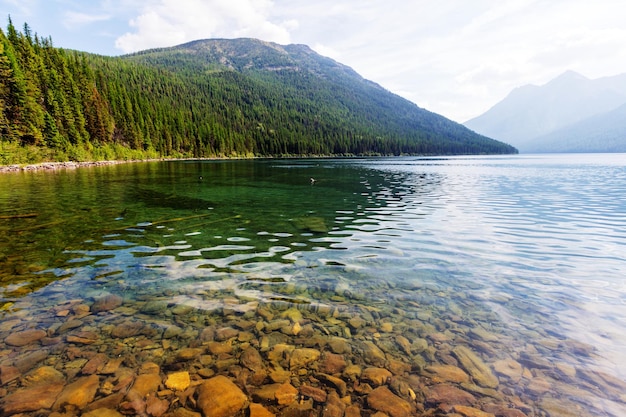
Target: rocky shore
[50,166]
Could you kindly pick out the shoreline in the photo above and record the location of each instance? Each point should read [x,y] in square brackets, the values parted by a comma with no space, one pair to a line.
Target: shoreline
[53,166]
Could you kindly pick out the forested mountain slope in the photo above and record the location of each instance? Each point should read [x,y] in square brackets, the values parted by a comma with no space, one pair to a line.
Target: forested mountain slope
[241,97]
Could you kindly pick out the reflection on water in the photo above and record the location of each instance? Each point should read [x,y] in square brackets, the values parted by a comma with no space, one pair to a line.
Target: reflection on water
[494,283]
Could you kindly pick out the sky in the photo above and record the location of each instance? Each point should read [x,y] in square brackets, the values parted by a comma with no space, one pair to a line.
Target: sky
[453,57]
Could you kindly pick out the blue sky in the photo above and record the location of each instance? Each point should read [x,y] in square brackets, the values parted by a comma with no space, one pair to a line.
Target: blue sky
[454,57]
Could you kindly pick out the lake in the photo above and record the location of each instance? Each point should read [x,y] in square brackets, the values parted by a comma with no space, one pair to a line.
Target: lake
[410,286]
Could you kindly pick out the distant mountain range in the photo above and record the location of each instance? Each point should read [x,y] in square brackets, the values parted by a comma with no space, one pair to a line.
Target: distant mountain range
[571,113]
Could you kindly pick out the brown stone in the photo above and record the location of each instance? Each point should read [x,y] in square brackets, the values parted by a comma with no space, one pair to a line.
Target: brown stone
[43,376]
[375,376]
[266,393]
[353,411]
[332,363]
[397,367]
[257,410]
[96,362]
[102,412]
[30,399]
[251,359]
[137,406]
[447,373]
[8,374]
[226,333]
[339,345]
[334,407]
[186,354]
[503,411]
[126,329]
[29,360]
[404,344]
[317,394]
[78,394]
[69,325]
[220,397]
[83,338]
[178,381]
[509,368]
[111,366]
[144,384]
[108,402]
[218,348]
[183,412]
[300,358]
[156,407]
[286,394]
[106,303]
[471,411]
[373,355]
[356,322]
[382,399]
[149,368]
[337,383]
[449,394]
[479,371]
[25,337]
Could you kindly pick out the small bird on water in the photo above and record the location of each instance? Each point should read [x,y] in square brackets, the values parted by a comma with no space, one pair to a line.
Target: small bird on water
[313,180]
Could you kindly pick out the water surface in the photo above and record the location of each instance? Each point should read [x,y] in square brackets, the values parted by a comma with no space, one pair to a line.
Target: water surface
[520,258]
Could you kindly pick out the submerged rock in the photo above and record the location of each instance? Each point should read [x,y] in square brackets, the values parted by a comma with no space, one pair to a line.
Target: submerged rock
[78,394]
[286,394]
[220,397]
[39,397]
[447,373]
[382,399]
[178,381]
[448,394]
[479,371]
[302,357]
[25,337]
[471,411]
[106,303]
[257,410]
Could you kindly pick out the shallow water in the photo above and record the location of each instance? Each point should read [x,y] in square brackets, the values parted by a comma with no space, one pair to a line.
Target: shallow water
[519,258]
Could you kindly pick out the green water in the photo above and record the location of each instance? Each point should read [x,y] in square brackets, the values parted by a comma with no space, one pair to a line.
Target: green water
[256,204]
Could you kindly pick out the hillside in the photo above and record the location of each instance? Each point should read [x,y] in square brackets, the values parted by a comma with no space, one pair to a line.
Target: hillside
[605,132]
[568,114]
[209,98]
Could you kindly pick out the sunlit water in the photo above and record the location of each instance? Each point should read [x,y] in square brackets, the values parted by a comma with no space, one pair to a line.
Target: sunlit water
[530,248]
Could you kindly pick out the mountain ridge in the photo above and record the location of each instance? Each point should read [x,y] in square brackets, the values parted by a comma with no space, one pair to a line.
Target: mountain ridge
[532,117]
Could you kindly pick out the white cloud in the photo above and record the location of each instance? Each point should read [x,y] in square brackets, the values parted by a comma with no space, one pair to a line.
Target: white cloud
[171,22]
[72,19]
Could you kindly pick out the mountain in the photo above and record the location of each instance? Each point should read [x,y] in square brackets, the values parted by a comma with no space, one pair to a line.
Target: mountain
[532,117]
[208,98]
[605,132]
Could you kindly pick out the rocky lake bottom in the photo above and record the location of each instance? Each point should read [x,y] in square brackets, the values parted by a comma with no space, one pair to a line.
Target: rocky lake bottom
[341,356]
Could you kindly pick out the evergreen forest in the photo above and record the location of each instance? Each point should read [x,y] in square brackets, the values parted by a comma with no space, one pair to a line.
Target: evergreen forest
[205,99]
